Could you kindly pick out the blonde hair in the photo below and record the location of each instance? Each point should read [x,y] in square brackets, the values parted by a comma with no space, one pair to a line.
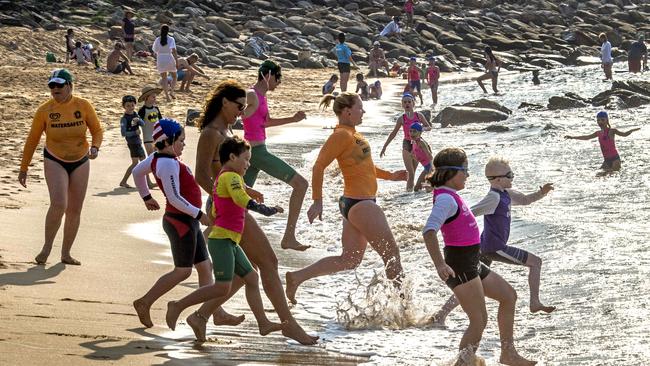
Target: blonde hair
[495,162]
[342,101]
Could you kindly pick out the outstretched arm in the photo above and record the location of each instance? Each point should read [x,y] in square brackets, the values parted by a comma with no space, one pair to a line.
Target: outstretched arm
[297,117]
[625,134]
[582,137]
[392,135]
[521,199]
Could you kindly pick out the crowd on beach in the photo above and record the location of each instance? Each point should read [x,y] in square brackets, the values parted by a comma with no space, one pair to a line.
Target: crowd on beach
[234,250]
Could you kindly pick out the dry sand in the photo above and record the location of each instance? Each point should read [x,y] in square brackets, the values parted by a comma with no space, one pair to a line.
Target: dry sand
[79,315]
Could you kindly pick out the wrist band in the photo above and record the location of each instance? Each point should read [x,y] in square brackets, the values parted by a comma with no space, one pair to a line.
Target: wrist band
[146,198]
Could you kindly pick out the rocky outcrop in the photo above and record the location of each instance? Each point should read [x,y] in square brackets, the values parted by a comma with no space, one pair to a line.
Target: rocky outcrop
[622,95]
[461,115]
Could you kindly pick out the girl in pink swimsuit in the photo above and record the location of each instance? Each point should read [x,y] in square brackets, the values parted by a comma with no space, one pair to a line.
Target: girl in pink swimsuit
[606,135]
[460,269]
[421,152]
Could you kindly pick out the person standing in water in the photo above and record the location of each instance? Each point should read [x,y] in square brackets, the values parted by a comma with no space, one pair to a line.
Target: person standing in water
[256,120]
[223,105]
[364,221]
[606,135]
[433,75]
[606,56]
[492,68]
[495,208]
[405,121]
[460,269]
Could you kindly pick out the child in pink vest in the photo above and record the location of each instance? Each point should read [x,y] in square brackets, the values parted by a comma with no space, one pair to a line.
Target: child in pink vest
[460,268]
[422,153]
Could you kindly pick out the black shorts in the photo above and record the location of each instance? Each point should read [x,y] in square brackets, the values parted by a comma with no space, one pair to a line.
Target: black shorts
[185,238]
[129,38]
[345,204]
[120,68]
[406,145]
[69,166]
[344,67]
[509,255]
[136,150]
[465,263]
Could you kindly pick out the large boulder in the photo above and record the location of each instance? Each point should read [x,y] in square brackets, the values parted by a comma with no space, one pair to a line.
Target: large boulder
[564,102]
[460,115]
[487,104]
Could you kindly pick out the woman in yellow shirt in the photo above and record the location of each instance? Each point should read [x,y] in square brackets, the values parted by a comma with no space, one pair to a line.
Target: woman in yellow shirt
[364,221]
[65,119]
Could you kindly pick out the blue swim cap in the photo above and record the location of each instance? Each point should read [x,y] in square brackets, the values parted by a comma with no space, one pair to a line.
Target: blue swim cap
[408,95]
[602,114]
[166,128]
[413,58]
[416,126]
[377,82]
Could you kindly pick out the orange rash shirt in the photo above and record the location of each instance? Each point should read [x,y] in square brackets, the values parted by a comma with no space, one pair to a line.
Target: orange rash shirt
[65,126]
[352,151]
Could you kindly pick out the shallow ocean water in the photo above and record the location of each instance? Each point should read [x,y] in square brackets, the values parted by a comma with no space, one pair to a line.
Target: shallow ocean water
[591,233]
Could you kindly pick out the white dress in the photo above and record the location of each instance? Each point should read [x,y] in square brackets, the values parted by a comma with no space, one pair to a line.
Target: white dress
[165,61]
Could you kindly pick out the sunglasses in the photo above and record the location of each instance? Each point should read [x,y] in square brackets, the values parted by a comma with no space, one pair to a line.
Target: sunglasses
[509,175]
[54,85]
[240,106]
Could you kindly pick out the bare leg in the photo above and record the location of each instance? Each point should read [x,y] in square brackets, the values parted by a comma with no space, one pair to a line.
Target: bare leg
[57,184]
[534,264]
[217,290]
[257,307]
[495,78]
[127,67]
[220,316]
[434,94]
[289,241]
[127,174]
[164,84]
[173,85]
[472,300]
[497,288]
[354,246]
[438,319]
[410,168]
[165,283]
[78,183]
[344,81]
[190,78]
[418,183]
[480,79]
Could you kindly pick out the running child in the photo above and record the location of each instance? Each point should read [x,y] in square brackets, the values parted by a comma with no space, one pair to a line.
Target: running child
[330,85]
[229,210]
[496,230]
[182,213]
[433,75]
[130,129]
[375,90]
[362,87]
[460,268]
[421,152]
[405,121]
[414,78]
[606,137]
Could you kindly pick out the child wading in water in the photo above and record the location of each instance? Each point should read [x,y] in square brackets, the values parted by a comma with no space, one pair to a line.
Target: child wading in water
[460,268]
[230,204]
[130,129]
[433,74]
[421,152]
[496,230]
[414,79]
[182,213]
[606,136]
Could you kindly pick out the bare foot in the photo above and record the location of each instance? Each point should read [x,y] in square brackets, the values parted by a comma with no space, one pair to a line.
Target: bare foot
[271,327]
[292,287]
[142,309]
[125,185]
[539,307]
[172,315]
[41,258]
[293,244]
[67,259]
[515,360]
[221,317]
[198,323]
[438,321]
[294,331]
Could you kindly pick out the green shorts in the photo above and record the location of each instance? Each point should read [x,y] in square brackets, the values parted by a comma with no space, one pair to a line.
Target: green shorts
[228,259]
[262,159]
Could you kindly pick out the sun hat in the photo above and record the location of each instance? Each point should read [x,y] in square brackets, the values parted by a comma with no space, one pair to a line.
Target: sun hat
[165,128]
[61,76]
[148,90]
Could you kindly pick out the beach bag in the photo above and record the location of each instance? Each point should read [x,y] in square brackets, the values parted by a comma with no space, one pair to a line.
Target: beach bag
[50,57]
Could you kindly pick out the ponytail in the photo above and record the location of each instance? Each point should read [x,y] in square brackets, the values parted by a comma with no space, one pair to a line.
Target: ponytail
[164,30]
[342,101]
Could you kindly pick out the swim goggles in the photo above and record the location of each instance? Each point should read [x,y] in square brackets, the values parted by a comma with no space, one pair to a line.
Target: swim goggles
[509,175]
[451,167]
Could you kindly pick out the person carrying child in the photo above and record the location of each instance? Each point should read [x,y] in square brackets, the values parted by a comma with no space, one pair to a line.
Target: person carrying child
[414,78]
[230,202]
[606,135]
[495,208]
[182,217]
[460,268]
[130,129]
[422,153]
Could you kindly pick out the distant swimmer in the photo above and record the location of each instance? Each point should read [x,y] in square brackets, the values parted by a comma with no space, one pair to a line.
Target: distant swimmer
[495,208]
[606,137]
[460,269]
[492,69]
[230,203]
[364,221]
[404,122]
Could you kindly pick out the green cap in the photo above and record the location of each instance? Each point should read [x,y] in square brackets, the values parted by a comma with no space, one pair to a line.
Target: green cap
[60,76]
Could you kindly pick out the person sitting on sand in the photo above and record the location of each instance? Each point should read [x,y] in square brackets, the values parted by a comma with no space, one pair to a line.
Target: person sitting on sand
[377,59]
[130,129]
[495,208]
[330,85]
[183,215]
[362,87]
[606,137]
[117,62]
[375,90]
[79,55]
[187,70]
[396,70]
[230,203]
